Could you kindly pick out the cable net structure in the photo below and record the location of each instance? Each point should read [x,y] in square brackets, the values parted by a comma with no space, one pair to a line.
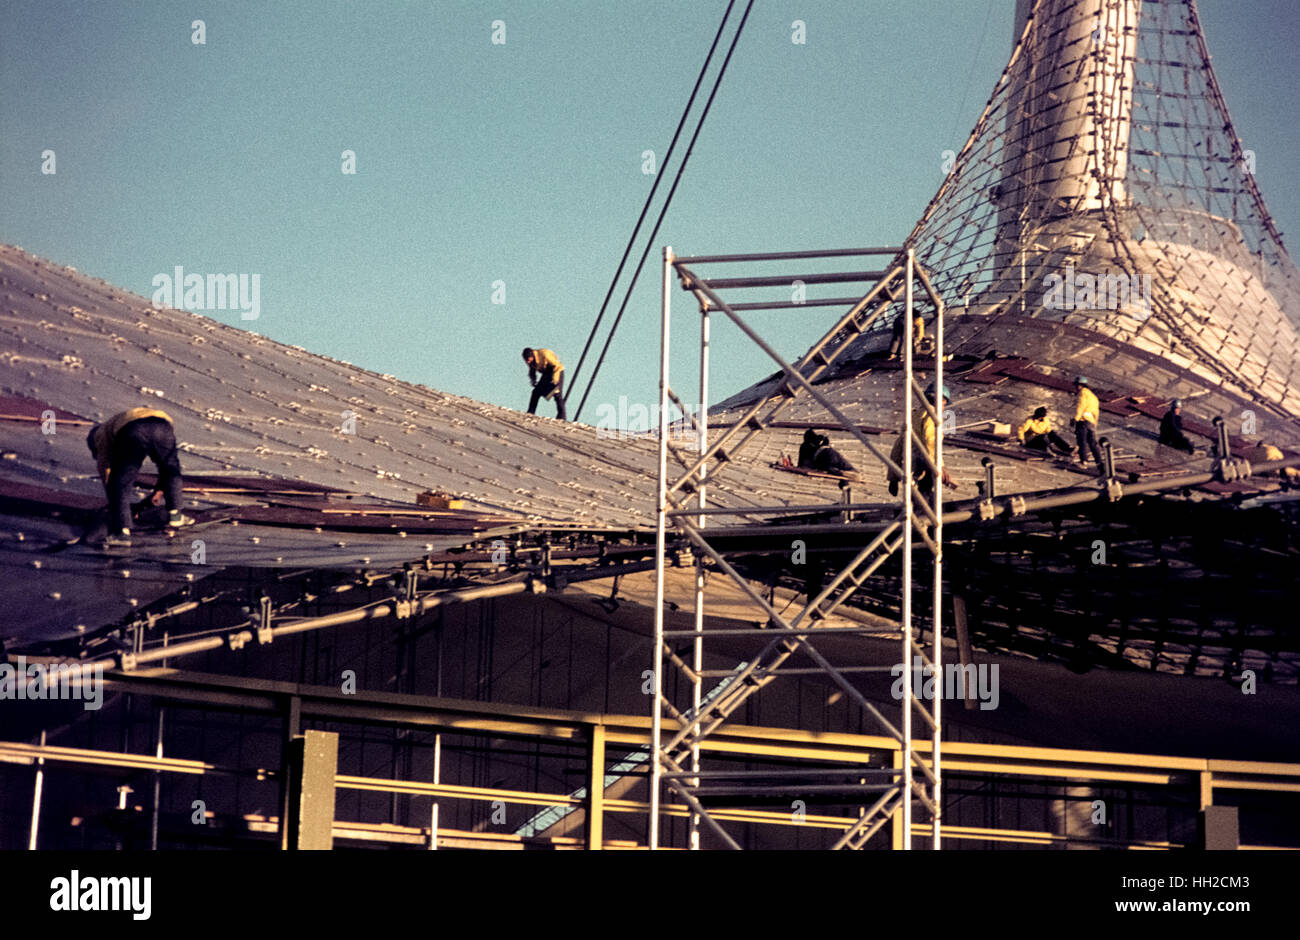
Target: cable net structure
[1105,187]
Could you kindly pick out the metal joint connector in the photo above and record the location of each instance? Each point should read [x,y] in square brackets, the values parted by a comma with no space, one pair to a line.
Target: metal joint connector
[988,511]
[1017,506]
[1114,491]
[1230,469]
[264,632]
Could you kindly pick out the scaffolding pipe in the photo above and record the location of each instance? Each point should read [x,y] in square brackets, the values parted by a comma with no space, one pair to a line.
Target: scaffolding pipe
[661,508]
[697,661]
[909,449]
[36,798]
[785,280]
[937,808]
[791,255]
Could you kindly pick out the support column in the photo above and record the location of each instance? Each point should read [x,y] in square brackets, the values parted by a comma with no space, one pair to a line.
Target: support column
[596,789]
[1216,826]
[313,763]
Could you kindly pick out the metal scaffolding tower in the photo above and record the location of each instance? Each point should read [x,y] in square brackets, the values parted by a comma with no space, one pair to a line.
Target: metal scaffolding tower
[913,524]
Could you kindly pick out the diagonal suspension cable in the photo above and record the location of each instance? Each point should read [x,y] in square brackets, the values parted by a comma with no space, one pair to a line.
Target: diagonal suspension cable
[664,211]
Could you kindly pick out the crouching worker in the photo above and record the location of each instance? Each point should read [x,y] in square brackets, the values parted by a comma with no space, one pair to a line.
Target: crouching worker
[923,426]
[816,453]
[1171,428]
[552,380]
[1037,434]
[120,446]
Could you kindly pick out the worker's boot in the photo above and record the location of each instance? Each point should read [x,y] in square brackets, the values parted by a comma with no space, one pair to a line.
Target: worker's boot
[176,519]
[119,539]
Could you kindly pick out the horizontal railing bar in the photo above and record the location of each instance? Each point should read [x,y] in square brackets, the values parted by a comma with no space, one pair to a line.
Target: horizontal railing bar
[777,510]
[785,280]
[766,632]
[723,673]
[788,255]
[781,791]
[787,304]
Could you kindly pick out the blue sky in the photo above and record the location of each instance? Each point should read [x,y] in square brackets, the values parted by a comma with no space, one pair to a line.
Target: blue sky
[521,162]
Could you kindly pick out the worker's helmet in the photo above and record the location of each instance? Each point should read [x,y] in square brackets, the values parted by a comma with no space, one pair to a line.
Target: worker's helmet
[929,393]
[810,436]
[1081,380]
[1176,403]
[528,352]
[1040,413]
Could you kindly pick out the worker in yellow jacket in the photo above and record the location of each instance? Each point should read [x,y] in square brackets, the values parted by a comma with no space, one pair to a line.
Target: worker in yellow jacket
[120,446]
[1086,413]
[1264,452]
[923,426]
[1037,434]
[551,385]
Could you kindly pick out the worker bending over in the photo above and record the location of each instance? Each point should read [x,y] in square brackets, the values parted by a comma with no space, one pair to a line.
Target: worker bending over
[816,453]
[922,425]
[1037,434]
[1171,428]
[1086,413]
[120,446]
[552,379]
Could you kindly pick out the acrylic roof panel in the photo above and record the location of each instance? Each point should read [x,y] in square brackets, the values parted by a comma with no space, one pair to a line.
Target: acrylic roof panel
[244,403]
[253,412]
[247,404]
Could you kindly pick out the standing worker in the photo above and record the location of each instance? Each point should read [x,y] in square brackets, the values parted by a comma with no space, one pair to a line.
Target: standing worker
[1037,434]
[918,334]
[1086,413]
[1171,428]
[120,446]
[922,425]
[552,381]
